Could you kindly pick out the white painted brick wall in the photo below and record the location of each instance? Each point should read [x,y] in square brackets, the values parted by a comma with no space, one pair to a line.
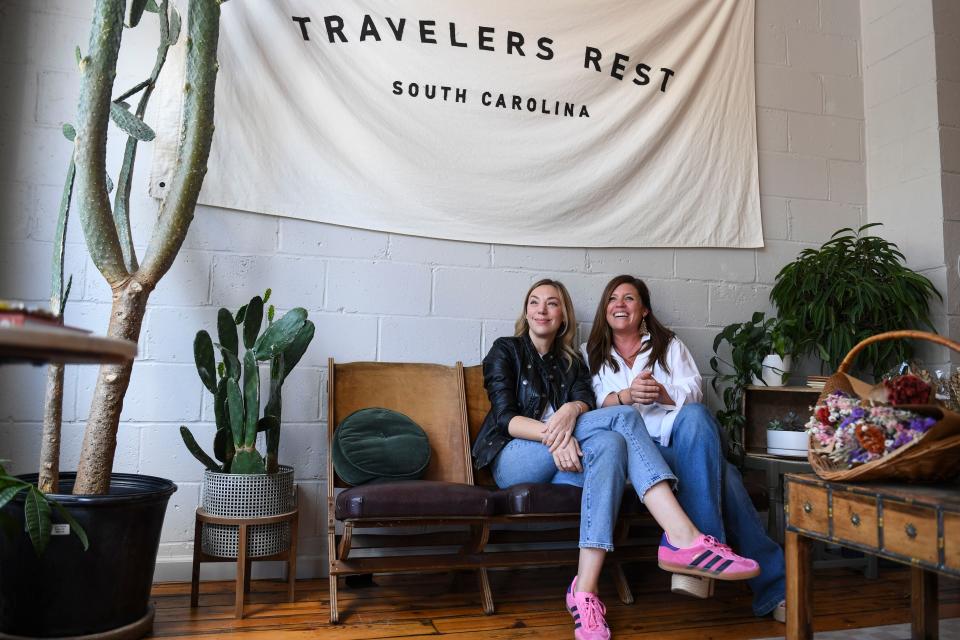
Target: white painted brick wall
[378,296]
[910,59]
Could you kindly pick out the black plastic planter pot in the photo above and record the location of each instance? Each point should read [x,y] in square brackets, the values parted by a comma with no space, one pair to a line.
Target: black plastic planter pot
[71,592]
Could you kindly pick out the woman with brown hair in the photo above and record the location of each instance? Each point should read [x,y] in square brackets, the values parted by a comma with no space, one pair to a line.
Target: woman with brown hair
[540,428]
[636,361]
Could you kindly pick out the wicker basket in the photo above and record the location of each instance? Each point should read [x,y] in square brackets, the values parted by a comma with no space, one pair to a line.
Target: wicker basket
[933,457]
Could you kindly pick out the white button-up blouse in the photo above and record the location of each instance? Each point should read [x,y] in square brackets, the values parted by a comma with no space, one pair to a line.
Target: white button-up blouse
[683,384]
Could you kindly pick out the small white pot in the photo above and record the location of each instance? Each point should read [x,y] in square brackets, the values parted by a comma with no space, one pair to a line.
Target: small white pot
[787,443]
[776,371]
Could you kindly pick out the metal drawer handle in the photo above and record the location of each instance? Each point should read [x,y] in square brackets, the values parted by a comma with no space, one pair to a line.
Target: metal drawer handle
[807,507]
[855,519]
[911,530]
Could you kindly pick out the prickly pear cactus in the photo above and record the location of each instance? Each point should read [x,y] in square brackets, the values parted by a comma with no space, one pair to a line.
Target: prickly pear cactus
[236,387]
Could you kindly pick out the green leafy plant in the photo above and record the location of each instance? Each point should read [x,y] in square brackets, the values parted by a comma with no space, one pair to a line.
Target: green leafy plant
[790,422]
[854,286]
[236,387]
[37,512]
[750,342]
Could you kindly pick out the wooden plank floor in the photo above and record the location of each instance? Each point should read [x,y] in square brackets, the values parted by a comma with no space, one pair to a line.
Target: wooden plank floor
[529,605]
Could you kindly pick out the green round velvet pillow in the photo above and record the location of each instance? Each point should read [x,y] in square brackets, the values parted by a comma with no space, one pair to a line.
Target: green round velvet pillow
[379,444]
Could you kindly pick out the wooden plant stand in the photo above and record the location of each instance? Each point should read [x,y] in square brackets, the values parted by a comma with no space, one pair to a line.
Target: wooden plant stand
[243,562]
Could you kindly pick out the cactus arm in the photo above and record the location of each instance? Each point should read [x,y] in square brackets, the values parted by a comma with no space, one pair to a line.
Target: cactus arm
[231,363]
[235,412]
[121,202]
[57,297]
[274,409]
[98,71]
[203,357]
[293,353]
[222,443]
[195,449]
[227,331]
[266,423]
[176,210]
[251,398]
[280,334]
[272,463]
[252,321]
[223,448]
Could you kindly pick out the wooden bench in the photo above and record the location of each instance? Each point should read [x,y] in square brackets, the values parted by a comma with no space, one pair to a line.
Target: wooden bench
[459,519]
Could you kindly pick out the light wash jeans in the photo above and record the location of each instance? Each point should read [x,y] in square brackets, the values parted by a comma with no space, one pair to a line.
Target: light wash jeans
[615,446]
[711,491]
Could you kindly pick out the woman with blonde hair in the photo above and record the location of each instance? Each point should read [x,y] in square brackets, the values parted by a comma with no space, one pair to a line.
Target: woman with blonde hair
[637,362]
[540,428]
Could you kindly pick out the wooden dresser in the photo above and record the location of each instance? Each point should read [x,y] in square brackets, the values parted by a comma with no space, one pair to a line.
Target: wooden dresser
[918,525]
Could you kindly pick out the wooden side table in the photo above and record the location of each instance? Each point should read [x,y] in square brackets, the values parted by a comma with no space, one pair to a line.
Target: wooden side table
[243,562]
[917,525]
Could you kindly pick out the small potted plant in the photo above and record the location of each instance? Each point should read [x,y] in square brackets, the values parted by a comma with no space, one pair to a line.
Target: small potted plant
[241,482]
[760,353]
[787,436]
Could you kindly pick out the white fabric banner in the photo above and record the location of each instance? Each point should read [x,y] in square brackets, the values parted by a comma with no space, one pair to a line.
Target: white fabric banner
[626,123]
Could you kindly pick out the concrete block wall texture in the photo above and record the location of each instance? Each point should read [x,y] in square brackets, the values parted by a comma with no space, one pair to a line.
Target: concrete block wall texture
[911,60]
[946,22]
[377,295]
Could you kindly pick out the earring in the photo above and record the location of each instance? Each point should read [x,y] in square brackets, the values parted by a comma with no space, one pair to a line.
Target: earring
[643,327]
[563,329]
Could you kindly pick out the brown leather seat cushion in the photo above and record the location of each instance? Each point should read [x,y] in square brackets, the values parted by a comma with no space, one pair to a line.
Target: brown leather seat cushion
[419,498]
[544,498]
[529,498]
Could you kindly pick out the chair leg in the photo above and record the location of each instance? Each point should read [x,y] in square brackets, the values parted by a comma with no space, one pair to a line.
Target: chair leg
[195,573]
[623,587]
[486,596]
[334,614]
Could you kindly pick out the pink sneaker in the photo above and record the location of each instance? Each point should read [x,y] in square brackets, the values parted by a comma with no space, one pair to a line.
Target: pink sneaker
[587,612]
[706,557]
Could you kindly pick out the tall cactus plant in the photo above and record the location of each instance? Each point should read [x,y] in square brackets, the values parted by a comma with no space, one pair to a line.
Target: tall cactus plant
[106,227]
[236,387]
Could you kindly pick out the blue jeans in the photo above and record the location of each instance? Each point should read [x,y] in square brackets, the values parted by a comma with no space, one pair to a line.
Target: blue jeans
[711,491]
[615,446]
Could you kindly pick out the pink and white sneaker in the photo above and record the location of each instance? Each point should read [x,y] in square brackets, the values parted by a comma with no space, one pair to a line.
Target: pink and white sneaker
[588,614]
[706,557]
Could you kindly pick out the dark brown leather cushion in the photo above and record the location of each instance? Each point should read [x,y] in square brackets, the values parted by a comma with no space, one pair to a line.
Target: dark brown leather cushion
[544,498]
[417,498]
[529,498]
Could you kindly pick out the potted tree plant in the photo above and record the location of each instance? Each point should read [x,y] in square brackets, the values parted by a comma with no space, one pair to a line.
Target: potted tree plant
[238,480]
[854,286]
[89,591]
[760,353]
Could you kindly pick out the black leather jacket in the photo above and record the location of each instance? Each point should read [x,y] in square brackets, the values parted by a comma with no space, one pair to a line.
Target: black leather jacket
[521,383]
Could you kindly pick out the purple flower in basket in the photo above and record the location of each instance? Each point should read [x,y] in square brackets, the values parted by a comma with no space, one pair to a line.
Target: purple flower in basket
[904,437]
[922,425]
